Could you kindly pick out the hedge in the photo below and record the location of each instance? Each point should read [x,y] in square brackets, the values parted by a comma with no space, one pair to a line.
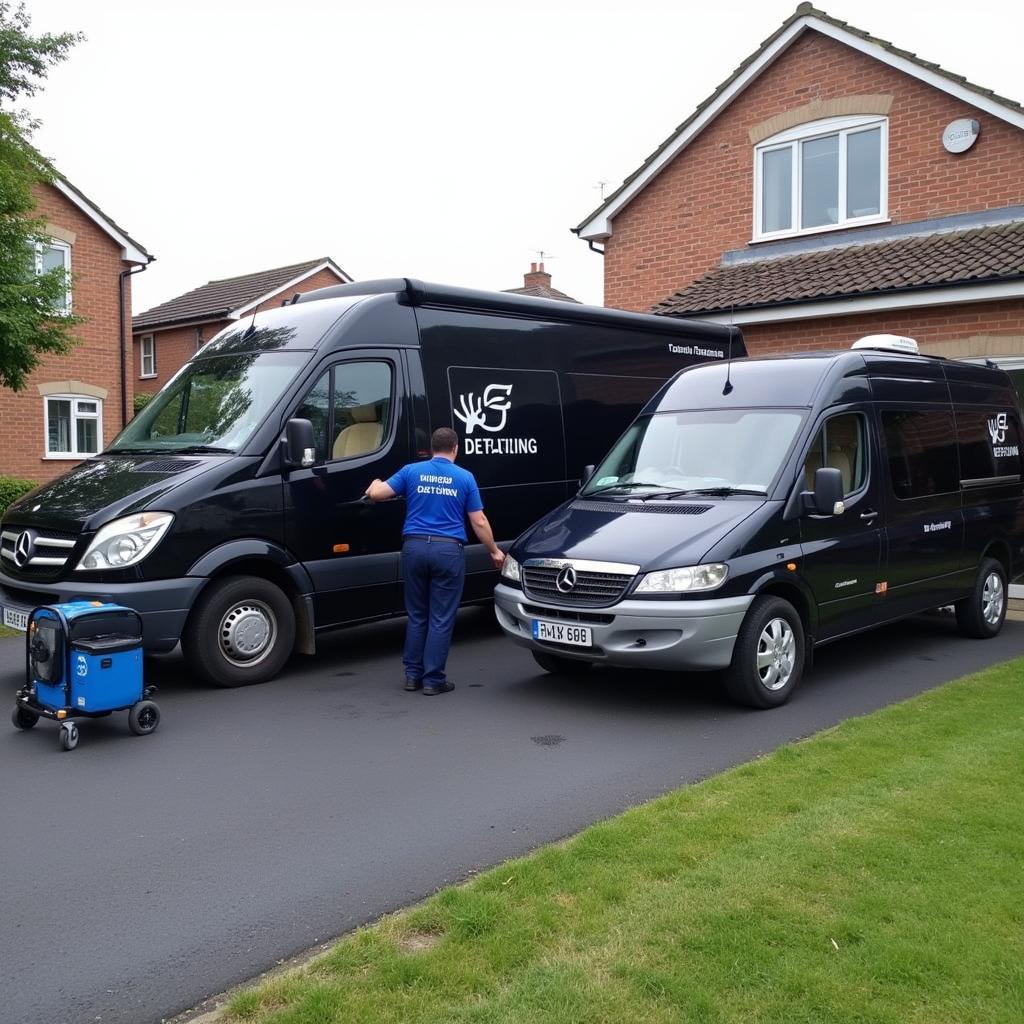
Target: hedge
[12,488]
[141,400]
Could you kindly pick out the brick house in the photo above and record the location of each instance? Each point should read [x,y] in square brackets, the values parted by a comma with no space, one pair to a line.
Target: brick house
[537,282]
[833,186]
[168,335]
[75,403]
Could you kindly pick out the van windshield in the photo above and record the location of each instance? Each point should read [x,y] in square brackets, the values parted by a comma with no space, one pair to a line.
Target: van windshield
[213,404]
[728,451]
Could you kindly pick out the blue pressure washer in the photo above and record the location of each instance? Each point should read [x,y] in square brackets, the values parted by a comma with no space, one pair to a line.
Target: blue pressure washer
[84,661]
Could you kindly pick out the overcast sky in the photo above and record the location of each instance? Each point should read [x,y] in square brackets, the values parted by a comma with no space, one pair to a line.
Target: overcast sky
[437,139]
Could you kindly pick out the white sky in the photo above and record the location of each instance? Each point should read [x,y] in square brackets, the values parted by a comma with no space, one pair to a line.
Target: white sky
[438,139]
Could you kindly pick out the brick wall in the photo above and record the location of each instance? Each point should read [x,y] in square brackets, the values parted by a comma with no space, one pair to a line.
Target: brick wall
[95,265]
[702,204]
[935,329]
[176,345]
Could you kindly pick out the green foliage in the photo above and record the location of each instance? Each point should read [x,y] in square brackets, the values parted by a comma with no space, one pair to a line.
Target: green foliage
[141,400]
[869,875]
[11,489]
[29,322]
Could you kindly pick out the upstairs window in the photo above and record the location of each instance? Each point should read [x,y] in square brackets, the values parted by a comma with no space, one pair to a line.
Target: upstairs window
[147,360]
[50,255]
[821,176]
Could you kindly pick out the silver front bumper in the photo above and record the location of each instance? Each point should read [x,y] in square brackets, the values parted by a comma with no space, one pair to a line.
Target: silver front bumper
[687,635]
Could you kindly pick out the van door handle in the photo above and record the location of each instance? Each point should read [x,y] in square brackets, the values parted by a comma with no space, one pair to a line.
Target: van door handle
[868,516]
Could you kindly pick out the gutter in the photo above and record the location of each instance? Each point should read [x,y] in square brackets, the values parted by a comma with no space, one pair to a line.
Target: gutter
[122,325]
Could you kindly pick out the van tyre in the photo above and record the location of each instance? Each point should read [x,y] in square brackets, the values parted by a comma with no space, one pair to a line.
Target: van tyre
[241,631]
[982,615]
[768,657]
[559,666]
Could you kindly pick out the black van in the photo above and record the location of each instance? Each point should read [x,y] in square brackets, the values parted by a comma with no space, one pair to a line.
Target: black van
[229,512]
[755,510]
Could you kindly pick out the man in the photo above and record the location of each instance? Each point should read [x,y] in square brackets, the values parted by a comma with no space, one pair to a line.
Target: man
[439,496]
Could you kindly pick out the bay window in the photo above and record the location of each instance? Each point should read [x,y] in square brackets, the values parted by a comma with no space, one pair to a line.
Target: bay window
[821,176]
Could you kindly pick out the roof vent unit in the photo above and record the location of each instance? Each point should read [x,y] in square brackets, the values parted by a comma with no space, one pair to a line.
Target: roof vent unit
[889,343]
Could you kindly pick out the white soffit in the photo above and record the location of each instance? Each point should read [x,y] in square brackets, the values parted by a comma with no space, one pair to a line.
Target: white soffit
[129,250]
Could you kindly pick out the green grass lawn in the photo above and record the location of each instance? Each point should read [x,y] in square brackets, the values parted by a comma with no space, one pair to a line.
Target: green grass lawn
[7,631]
[874,873]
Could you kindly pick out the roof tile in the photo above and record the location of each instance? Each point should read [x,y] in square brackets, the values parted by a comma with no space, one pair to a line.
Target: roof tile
[217,299]
[994,253]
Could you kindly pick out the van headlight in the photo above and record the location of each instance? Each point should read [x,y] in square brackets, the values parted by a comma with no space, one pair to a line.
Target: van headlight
[684,580]
[125,541]
[511,570]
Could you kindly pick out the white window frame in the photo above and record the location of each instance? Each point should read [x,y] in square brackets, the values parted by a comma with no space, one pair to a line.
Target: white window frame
[792,139]
[65,248]
[151,338]
[73,455]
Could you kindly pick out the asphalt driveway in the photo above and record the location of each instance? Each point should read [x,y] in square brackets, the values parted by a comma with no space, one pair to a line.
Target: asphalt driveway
[140,875]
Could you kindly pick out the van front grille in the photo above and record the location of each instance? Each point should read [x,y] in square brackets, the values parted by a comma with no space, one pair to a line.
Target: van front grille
[571,582]
[33,554]
[569,615]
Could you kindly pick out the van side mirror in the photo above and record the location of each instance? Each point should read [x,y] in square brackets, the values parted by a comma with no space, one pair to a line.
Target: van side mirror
[298,446]
[588,472]
[827,497]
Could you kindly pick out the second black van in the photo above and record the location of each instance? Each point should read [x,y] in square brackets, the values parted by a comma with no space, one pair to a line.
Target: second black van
[756,510]
[229,512]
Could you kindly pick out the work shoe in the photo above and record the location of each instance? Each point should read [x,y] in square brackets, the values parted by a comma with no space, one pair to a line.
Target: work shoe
[413,684]
[446,687]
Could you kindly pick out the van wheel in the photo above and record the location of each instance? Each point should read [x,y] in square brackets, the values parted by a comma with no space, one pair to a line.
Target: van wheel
[768,659]
[983,613]
[241,631]
[559,666]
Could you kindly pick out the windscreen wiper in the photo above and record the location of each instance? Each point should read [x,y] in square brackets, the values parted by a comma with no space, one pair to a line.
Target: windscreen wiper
[712,492]
[618,487]
[204,449]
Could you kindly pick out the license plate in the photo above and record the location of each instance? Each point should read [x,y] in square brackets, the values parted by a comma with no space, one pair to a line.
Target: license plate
[15,619]
[562,633]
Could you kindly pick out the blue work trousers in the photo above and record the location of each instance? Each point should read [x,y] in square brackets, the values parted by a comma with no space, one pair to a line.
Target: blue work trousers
[433,572]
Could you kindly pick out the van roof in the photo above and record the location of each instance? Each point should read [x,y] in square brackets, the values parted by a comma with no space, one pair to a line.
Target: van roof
[421,293]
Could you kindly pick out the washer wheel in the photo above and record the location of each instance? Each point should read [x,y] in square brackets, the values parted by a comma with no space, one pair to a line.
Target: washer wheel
[144,717]
[68,735]
[22,718]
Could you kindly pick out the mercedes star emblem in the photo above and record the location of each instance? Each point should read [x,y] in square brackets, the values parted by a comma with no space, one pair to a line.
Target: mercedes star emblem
[566,579]
[22,548]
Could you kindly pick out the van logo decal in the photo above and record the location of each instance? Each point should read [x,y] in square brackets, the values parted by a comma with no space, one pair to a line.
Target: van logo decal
[946,524]
[495,398]
[566,579]
[997,426]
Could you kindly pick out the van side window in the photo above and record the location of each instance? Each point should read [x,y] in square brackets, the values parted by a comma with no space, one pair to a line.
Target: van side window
[350,409]
[921,451]
[361,408]
[841,445]
[989,443]
[316,407]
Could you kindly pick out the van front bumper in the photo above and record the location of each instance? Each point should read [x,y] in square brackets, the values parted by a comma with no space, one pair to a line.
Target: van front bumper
[682,635]
[163,604]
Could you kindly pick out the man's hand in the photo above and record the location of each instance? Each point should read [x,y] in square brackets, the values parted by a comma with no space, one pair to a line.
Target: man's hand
[498,558]
[379,491]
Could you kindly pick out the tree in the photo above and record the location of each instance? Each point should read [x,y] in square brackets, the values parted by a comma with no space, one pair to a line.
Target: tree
[31,321]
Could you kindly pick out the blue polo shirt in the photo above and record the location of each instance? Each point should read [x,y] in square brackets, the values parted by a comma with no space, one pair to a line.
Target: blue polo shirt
[438,496]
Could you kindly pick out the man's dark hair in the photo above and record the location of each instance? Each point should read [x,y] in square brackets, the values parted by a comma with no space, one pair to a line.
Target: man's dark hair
[444,439]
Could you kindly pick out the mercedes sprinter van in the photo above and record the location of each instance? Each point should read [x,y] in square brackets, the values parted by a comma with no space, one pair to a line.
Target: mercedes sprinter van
[230,514]
[756,510]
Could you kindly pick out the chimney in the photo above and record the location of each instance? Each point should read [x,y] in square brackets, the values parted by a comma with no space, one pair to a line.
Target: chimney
[537,277]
